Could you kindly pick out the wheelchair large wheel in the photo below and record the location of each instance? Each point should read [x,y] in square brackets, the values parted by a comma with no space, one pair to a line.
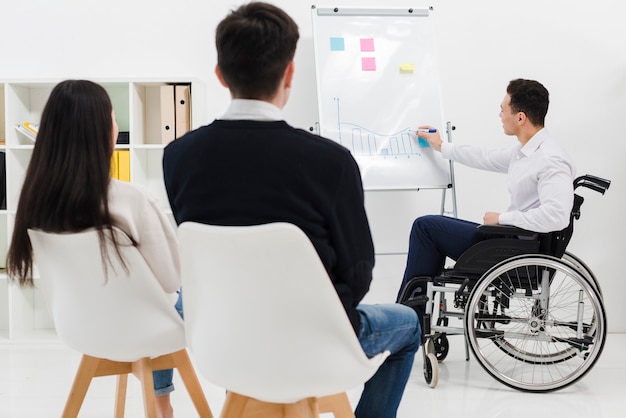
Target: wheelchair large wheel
[582,268]
[535,323]
[566,354]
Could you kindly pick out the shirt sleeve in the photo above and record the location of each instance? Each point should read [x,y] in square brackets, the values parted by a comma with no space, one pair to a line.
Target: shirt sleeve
[497,160]
[556,197]
[158,244]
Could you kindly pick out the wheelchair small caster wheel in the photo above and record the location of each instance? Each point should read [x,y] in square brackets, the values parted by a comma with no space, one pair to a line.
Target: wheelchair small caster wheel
[431,370]
[429,346]
[441,346]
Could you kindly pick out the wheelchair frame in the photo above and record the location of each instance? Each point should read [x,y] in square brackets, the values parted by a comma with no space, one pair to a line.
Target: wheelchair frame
[532,313]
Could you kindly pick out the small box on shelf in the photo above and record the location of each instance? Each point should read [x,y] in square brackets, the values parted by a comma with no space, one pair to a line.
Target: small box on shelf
[123,138]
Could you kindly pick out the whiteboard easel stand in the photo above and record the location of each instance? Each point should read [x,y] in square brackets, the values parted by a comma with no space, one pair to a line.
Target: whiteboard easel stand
[451,186]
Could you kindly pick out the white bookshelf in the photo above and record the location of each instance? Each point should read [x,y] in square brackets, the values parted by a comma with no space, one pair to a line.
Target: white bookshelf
[23,312]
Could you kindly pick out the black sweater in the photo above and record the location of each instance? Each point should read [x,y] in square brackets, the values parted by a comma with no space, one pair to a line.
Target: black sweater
[253,172]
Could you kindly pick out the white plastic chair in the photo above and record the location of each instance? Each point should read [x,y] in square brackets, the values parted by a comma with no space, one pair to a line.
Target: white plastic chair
[121,320]
[264,321]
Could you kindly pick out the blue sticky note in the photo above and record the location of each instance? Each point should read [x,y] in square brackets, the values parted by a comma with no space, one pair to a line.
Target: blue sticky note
[337,44]
[422,142]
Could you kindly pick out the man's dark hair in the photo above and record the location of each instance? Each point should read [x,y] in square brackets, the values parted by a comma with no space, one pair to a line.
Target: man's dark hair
[255,43]
[529,97]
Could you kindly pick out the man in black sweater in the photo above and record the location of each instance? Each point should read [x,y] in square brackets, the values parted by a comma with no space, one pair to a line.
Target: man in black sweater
[250,167]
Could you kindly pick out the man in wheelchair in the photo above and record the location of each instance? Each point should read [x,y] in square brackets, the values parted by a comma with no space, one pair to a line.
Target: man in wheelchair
[540,182]
[532,313]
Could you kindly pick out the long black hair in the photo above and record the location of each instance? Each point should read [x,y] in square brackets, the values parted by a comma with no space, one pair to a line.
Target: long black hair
[67,181]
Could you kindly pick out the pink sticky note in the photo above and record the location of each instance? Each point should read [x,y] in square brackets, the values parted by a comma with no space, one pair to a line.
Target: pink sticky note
[368,64]
[367,44]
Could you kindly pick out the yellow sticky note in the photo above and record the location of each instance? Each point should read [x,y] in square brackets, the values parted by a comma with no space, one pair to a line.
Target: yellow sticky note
[407,68]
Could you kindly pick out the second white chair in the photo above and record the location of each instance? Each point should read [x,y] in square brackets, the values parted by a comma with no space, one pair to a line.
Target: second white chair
[264,321]
[119,318]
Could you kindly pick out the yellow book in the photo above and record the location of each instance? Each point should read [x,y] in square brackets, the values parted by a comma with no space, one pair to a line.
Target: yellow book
[114,165]
[123,164]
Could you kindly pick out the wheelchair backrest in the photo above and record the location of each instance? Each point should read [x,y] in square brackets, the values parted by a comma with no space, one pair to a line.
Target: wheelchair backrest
[555,243]
[515,241]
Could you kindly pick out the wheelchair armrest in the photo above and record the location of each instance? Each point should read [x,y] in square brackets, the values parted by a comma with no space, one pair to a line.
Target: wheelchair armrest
[506,230]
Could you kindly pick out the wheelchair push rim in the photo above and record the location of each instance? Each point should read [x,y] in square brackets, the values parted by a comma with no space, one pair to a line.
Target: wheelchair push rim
[535,323]
[580,265]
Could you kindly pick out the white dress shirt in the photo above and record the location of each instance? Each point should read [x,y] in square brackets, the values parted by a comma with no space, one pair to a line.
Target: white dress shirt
[540,179]
[249,109]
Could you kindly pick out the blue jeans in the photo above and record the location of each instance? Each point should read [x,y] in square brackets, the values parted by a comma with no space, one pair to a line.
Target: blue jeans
[163,379]
[435,237]
[395,328]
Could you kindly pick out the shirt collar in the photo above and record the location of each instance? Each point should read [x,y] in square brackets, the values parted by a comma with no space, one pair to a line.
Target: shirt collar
[248,109]
[535,142]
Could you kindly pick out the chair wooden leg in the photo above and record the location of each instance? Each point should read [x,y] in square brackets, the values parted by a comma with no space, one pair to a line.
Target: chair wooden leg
[238,406]
[86,371]
[338,404]
[306,408]
[91,367]
[143,370]
[120,395]
[190,379]
[234,405]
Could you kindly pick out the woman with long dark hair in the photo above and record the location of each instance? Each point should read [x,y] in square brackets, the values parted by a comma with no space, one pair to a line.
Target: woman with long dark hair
[68,188]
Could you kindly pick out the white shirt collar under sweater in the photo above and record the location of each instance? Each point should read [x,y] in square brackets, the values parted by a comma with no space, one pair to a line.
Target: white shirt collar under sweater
[248,109]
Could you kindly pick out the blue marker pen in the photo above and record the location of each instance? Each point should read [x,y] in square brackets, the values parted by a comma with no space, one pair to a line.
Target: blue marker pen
[428,131]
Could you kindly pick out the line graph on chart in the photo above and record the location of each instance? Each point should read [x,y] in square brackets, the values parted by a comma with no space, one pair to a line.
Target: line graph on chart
[364,142]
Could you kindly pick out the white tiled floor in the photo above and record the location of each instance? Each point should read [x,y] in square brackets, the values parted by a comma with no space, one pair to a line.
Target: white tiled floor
[35,378]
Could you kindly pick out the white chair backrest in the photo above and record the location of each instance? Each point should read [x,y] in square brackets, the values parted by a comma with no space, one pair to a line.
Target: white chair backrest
[122,315]
[262,317]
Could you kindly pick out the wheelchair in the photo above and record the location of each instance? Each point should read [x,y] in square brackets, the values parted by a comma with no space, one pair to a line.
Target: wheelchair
[531,312]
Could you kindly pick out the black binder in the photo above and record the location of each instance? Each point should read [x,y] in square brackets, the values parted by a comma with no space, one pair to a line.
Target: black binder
[3,181]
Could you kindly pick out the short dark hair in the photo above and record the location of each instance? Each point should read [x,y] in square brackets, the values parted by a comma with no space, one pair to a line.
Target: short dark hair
[529,97]
[255,43]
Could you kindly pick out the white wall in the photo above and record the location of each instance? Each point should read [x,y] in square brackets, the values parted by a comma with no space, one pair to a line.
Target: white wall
[576,48]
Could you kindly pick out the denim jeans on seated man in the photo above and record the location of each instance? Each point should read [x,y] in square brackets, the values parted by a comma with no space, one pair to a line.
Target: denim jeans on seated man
[432,239]
[395,328]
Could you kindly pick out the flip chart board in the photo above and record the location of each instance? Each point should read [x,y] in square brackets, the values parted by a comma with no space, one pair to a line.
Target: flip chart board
[377,81]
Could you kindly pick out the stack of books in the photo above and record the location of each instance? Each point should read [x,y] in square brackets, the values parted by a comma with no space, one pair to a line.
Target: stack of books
[28,129]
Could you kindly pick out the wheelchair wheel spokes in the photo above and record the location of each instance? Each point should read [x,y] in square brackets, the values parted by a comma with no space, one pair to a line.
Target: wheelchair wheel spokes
[535,323]
[580,265]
